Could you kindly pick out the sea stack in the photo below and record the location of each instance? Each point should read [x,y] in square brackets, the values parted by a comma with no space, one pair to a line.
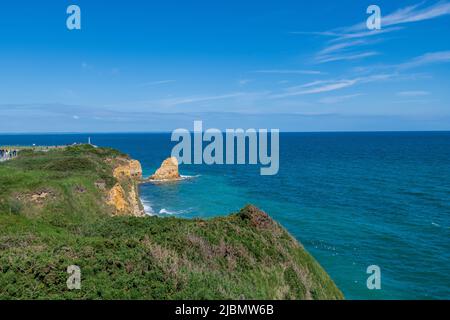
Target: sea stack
[168,170]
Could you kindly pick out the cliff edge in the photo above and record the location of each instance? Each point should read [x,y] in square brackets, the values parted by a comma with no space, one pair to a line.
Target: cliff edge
[79,206]
[124,195]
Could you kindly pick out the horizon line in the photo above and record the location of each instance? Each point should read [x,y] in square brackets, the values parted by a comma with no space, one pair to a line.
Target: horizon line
[168,132]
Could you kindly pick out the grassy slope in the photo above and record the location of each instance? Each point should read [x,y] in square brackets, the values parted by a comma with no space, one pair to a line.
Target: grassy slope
[243,255]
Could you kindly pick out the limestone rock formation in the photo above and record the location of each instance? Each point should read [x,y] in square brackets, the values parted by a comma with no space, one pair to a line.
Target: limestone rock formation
[167,171]
[116,198]
[130,168]
[124,196]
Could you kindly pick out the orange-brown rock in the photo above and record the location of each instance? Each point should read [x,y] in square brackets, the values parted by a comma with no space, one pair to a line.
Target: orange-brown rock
[167,171]
[116,198]
[131,169]
[125,204]
[124,196]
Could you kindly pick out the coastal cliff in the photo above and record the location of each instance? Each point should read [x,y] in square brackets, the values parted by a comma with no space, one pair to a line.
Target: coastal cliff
[124,196]
[80,206]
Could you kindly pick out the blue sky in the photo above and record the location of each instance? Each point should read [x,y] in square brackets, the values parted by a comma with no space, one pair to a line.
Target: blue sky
[159,65]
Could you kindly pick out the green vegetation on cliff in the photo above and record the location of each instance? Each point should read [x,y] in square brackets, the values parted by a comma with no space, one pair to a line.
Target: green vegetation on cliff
[54,213]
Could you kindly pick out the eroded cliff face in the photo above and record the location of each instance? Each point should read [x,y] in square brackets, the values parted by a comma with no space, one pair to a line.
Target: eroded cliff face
[168,170]
[128,169]
[124,196]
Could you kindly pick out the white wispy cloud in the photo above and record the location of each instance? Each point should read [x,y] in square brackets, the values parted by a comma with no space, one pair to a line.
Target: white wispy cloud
[281,71]
[344,50]
[336,47]
[345,56]
[416,13]
[336,85]
[337,99]
[426,59]
[363,33]
[329,85]
[345,41]
[413,13]
[155,83]
[415,93]
[309,84]
[193,99]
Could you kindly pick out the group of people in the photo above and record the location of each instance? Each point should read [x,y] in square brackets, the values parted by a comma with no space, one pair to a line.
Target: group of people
[6,154]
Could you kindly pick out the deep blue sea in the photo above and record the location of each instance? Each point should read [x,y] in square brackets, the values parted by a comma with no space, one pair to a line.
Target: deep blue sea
[352,199]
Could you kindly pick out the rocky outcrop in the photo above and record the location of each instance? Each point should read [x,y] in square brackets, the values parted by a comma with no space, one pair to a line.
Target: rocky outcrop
[130,169]
[168,171]
[124,196]
[135,205]
[116,198]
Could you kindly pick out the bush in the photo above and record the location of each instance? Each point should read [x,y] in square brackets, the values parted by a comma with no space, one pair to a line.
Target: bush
[71,164]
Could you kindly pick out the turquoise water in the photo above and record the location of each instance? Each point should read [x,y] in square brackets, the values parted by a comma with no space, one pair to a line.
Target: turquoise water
[352,199]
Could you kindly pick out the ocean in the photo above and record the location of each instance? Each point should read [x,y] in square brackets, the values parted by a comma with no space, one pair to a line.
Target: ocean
[352,199]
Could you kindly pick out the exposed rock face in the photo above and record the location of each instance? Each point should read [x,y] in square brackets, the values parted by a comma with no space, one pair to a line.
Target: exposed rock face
[131,168]
[134,202]
[116,198]
[124,196]
[167,171]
